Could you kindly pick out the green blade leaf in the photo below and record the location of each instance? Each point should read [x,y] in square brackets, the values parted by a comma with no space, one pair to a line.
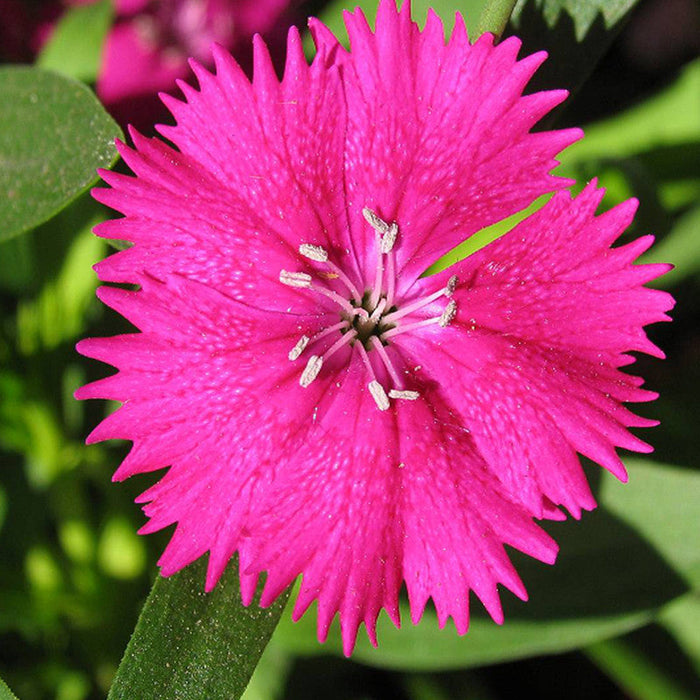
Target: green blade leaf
[192,644]
[54,135]
[616,569]
[75,47]
[635,672]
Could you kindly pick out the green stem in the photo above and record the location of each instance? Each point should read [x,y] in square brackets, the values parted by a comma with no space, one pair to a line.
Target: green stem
[495,16]
[633,672]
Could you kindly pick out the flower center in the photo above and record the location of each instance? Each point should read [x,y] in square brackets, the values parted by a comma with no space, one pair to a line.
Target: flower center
[367,321]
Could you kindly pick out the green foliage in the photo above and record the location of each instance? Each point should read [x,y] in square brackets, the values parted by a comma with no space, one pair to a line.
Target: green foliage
[54,135]
[191,644]
[583,13]
[332,14]
[5,692]
[75,47]
[575,34]
[495,16]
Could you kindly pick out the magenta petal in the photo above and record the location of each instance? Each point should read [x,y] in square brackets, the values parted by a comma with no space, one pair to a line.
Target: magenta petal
[441,145]
[531,361]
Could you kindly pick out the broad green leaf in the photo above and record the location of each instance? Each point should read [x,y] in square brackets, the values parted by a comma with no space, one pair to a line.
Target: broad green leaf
[661,504]
[670,118]
[5,692]
[191,644]
[75,47]
[54,135]
[615,570]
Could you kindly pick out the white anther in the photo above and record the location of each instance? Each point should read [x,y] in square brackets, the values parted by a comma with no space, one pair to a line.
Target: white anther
[313,252]
[448,314]
[389,238]
[298,348]
[377,223]
[451,285]
[403,394]
[379,395]
[295,279]
[313,367]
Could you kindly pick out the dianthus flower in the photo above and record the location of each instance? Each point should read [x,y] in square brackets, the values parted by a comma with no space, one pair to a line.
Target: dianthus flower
[151,40]
[324,409]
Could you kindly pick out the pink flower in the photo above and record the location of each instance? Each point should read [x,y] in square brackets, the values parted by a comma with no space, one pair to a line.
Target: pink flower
[323,409]
[148,47]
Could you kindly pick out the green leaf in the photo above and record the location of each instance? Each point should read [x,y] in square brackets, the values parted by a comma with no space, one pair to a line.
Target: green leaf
[680,247]
[682,620]
[75,47]
[54,135]
[615,570]
[583,13]
[669,118]
[191,644]
[575,33]
[5,692]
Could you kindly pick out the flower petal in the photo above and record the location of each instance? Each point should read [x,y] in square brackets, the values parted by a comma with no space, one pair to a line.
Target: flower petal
[259,172]
[440,145]
[531,361]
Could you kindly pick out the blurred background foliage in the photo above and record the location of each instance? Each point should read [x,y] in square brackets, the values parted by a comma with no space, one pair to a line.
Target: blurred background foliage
[617,617]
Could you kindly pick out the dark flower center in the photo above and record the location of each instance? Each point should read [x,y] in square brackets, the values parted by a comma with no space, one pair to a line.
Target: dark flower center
[368,320]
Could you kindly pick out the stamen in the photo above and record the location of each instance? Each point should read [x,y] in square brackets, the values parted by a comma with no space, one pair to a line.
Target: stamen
[376,222]
[341,301]
[444,319]
[410,308]
[313,367]
[381,351]
[295,279]
[377,313]
[403,394]
[389,238]
[298,348]
[331,329]
[391,279]
[377,289]
[313,252]
[339,274]
[448,314]
[341,342]
[379,395]
[451,285]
